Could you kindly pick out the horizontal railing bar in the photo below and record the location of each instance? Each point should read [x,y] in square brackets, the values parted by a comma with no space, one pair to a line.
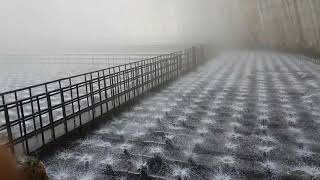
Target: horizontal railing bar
[87,93]
[58,106]
[57,91]
[77,113]
[88,73]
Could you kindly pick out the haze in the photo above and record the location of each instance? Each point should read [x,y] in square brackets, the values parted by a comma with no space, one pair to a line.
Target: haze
[54,25]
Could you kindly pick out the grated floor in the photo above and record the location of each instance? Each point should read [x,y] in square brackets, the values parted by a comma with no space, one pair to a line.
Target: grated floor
[244,115]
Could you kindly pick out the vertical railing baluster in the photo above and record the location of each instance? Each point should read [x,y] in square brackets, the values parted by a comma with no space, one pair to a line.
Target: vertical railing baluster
[87,92]
[50,113]
[63,106]
[40,119]
[180,64]
[72,103]
[194,56]
[124,75]
[129,74]
[8,124]
[118,85]
[112,88]
[18,111]
[136,79]
[142,76]
[92,98]
[79,106]
[100,96]
[158,70]
[105,90]
[25,138]
[32,110]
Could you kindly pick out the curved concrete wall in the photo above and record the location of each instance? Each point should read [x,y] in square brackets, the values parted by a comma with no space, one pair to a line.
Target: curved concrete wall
[277,24]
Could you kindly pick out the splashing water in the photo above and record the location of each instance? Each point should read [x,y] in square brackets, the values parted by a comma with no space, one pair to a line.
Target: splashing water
[221,176]
[180,172]
[226,159]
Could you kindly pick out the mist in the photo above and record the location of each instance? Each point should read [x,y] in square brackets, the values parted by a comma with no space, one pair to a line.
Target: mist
[43,25]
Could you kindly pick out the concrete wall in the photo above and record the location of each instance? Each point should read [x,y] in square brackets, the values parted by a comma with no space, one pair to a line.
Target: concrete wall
[292,25]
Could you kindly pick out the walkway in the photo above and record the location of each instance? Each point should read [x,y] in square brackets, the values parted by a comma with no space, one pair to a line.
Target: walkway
[245,115]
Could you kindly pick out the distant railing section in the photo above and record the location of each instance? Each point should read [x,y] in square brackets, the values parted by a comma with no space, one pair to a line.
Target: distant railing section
[34,116]
[94,58]
[311,59]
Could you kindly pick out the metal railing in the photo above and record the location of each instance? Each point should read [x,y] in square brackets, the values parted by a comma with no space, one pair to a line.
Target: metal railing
[311,59]
[37,115]
[85,58]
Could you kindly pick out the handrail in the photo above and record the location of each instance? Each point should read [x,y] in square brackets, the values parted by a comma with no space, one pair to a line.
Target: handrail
[80,101]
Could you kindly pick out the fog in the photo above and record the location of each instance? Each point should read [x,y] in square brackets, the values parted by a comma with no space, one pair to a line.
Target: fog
[46,25]
[98,25]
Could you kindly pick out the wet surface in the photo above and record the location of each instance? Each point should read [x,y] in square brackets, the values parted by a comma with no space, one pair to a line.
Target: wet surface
[245,115]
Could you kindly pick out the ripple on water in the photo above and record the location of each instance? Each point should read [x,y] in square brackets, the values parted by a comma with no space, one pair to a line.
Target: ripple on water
[265,149]
[155,150]
[202,130]
[86,158]
[182,119]
[95,142]
[267,138]
[304,152]
[295,130]
[313,171]
[59,175]
[226,159]
[221,176]
[234,135]
[169,136]
[125,146]
[138,134]
[140,163]
[230,145]
[211,113]
[269,165]
[109,160]
[65,155]
[87,176]
[235,124]
[182,173]
[208,121]
[103,131]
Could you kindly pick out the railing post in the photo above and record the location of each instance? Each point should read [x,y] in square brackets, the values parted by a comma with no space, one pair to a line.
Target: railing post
[118,85]
[8,125]
[124,82]
[194,56]
[128,72]
[63,108]
[40,119]
[79,107]
[100,96]
[87,92]
[105,89]
[18,112]
[32,110]
[72,104]
[142,75]
[50,113]
[180,64]
[136,79]
[112,88]
[92,97]
[25,139]
[154,69]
